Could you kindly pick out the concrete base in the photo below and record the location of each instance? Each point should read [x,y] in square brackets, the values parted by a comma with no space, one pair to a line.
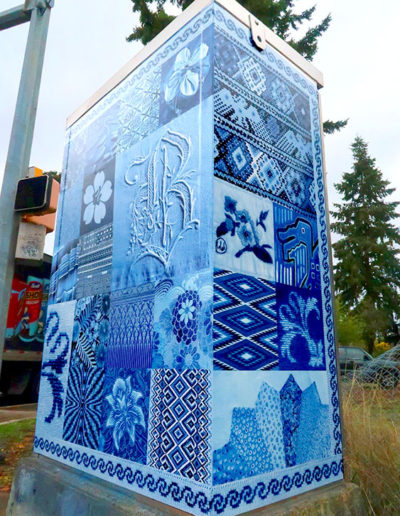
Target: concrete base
[45,487]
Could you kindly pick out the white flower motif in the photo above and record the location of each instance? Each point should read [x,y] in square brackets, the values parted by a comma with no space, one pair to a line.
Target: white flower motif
[125,412]
[186,312]
[185,78]
[95,197]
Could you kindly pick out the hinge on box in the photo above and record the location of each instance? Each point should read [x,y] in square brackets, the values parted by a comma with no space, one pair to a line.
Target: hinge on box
[257,32]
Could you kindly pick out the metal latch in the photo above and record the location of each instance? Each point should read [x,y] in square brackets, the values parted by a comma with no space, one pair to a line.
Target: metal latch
[258,32]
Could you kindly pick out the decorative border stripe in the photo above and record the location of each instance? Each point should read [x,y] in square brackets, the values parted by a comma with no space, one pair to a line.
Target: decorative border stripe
[216,503]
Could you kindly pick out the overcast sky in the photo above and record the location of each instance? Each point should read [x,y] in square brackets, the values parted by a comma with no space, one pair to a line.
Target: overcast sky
[86,45]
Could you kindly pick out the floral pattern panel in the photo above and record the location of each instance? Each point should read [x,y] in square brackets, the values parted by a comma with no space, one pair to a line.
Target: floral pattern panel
[244,231]
[97,200]
[300,329]
[183,323]
[186,78]
[125,412]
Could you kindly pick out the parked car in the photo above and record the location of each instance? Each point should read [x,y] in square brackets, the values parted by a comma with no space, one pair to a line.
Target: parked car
[383,370]
[351,358]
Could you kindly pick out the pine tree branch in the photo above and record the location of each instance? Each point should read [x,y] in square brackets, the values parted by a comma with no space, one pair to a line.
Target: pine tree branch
[307,45]
[331,127]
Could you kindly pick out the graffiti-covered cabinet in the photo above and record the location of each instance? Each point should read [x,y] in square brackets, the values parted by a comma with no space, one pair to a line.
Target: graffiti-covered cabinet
[189,351]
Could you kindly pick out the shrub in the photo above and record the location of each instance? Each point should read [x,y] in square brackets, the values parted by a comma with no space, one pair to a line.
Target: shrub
[380,347]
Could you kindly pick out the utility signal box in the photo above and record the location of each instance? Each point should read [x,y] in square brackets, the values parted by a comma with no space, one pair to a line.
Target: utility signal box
[190,347]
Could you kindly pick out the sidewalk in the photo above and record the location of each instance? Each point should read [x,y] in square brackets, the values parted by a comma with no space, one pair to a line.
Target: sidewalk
[17,412]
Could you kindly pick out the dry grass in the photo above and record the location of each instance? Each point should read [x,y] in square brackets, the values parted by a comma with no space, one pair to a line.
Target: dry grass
[371,423]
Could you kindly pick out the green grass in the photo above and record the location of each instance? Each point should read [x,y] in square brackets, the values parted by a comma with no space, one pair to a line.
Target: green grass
[16,441]
[14,432]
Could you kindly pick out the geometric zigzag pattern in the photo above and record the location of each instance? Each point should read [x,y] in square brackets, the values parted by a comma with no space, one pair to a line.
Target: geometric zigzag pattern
[179,423]
[245,327]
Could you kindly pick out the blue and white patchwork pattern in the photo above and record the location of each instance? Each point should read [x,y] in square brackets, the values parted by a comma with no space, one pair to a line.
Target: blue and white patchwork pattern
[183,323]
[138,108]
[262,128]
[126,414]
[244,231]
[131,337]
[245,331]
[54,376]
[180,423]
[196,364]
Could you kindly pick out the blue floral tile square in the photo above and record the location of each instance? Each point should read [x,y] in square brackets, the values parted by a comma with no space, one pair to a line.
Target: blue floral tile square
[300,329]
[131,338]
[98,198]
[186,77]
[125,412]
[296,249]
[180,423]
[243,231]
[183,323]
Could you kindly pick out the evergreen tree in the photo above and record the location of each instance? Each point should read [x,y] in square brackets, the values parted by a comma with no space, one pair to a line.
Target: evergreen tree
[349,326]
[367,271]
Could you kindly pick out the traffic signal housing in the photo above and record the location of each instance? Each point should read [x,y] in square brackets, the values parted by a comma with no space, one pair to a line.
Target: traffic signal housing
[34,195]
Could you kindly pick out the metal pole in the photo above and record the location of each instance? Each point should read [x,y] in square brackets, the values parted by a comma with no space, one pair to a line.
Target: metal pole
[19,150]
[14,16]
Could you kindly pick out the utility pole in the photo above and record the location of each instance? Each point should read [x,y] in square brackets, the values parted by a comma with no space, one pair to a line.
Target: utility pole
[37,12]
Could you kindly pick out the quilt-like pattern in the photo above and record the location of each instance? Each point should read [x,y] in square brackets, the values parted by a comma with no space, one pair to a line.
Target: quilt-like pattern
[189,347]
